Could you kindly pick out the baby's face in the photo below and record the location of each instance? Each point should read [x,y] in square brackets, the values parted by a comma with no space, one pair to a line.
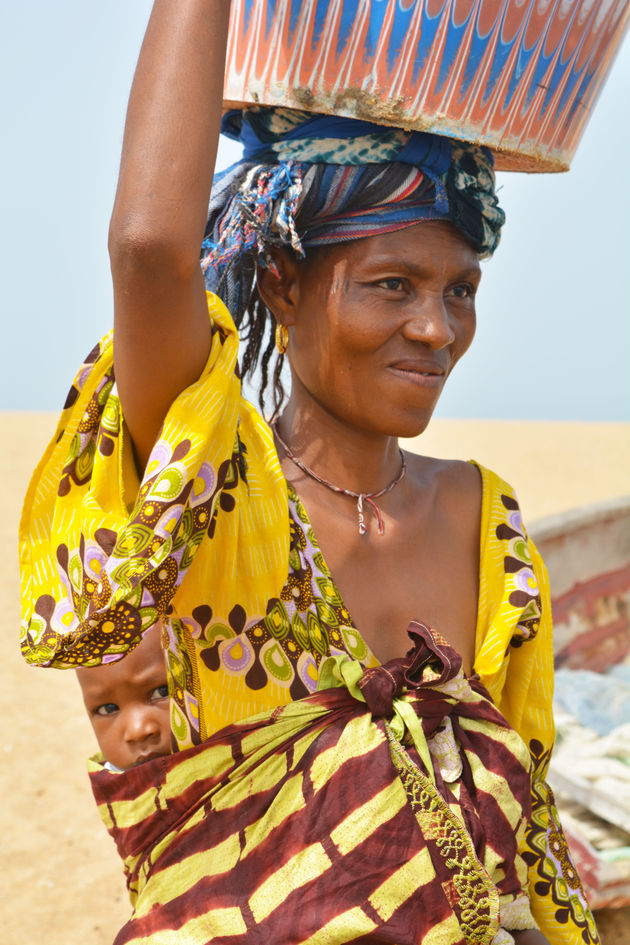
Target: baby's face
[128,705]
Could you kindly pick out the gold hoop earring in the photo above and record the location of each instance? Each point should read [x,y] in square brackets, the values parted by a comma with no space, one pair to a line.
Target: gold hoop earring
[282,338]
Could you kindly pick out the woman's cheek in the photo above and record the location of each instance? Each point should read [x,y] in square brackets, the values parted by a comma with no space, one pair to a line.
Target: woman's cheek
[364,330]
[469,332]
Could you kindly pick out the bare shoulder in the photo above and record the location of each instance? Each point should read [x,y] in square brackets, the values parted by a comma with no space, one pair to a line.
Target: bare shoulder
[454,482]
[454,491]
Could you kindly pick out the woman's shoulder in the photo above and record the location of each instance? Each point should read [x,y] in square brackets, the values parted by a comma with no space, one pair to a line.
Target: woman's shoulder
[461,485]
[444,473]
[451,493]
[467,474]
[471,481]
[473,499]
[464,484]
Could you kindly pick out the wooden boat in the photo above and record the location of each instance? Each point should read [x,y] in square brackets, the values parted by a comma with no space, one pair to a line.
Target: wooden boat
[587,552]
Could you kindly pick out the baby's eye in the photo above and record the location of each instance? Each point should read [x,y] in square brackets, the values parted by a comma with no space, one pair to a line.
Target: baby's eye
[108,708]
[160,692]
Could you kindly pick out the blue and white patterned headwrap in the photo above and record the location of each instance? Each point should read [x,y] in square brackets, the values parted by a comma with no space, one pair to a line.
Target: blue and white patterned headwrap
[309,180]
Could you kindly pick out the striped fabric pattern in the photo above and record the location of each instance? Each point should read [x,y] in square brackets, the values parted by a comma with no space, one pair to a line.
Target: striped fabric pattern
[316,824]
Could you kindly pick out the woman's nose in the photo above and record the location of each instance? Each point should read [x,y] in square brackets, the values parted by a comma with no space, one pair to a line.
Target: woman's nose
[430,323]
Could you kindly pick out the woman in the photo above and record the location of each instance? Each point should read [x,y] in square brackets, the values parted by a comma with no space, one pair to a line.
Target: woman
[363,244]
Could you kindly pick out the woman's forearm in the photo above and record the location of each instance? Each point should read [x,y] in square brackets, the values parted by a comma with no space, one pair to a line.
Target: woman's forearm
[169,149]
[172,125]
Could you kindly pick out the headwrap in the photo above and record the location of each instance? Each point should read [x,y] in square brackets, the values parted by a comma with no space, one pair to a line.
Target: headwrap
[308,179]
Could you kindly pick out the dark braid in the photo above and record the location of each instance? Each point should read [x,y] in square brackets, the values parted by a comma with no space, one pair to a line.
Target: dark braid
[278,387]
[257,334]
[256,326]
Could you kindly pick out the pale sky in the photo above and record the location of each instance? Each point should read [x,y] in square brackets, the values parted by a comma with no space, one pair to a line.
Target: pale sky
[553,339]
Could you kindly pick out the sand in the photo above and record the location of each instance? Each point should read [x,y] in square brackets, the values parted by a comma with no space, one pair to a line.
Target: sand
[63,881]
[553,466]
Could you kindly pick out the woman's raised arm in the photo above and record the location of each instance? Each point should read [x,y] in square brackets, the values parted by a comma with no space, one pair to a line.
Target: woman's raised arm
[162,334]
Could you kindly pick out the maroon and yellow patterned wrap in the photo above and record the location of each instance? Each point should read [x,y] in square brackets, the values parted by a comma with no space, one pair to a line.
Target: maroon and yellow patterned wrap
[334,818]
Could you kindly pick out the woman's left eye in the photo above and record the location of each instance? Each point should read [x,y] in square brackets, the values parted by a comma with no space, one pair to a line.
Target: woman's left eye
[160,692]
[393,284]
[462,291]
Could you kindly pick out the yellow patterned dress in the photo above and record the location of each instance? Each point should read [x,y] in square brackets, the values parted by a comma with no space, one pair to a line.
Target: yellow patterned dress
[215,544]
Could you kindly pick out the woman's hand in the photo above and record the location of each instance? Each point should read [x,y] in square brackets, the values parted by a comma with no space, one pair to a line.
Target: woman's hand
[162,332]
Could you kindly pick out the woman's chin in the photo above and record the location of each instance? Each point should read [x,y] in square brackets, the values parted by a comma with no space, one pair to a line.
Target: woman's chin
[409,417]
[411,430]
[406,426]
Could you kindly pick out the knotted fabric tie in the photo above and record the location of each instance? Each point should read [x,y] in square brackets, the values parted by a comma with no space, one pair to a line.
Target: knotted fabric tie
[430,663]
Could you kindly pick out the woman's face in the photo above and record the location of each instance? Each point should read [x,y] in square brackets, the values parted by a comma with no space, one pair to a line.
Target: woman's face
[377,325]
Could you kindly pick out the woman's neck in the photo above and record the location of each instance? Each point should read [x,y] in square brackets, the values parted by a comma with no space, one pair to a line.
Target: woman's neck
[355,459]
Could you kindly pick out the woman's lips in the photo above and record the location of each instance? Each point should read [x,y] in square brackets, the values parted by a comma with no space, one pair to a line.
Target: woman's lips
[420,373]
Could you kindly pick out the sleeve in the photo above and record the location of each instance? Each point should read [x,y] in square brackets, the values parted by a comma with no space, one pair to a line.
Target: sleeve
[101,554]
[557,896]
[514,659]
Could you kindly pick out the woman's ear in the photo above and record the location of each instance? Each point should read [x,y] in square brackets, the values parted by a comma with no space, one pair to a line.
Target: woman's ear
[279,290]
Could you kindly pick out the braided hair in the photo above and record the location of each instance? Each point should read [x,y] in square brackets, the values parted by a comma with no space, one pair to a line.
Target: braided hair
[257,337]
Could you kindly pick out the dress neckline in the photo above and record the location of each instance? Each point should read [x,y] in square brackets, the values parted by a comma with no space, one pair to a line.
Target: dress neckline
[303,517]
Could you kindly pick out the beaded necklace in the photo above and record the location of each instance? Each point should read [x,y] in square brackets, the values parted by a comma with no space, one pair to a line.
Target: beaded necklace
[361,497]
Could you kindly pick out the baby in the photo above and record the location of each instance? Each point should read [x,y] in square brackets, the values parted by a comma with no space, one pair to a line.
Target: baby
[128,706]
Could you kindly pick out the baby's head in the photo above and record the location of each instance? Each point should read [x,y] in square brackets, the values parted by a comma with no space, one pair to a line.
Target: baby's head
[127,702]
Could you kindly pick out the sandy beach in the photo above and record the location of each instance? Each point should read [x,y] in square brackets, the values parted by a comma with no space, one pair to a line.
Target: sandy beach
[63,880]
